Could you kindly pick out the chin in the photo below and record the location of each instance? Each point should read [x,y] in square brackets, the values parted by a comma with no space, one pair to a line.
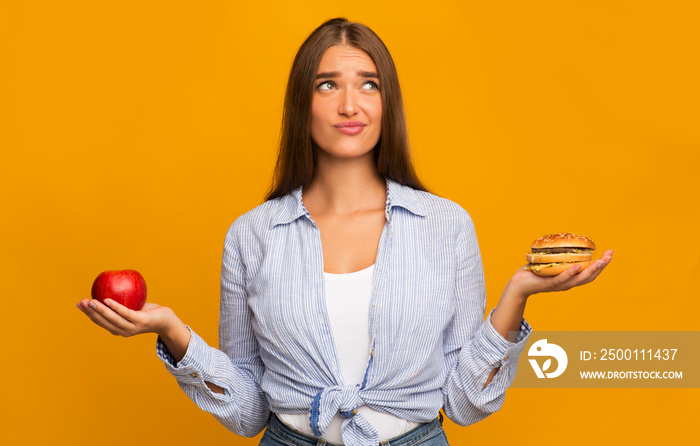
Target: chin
[347,152]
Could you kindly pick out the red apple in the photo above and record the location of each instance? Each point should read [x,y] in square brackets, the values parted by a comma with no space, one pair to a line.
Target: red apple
[126,287]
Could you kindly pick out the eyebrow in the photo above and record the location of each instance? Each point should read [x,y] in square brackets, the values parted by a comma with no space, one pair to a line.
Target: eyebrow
[333,74]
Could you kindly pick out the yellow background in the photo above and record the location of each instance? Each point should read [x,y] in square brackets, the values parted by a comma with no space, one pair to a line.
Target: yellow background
[133,133]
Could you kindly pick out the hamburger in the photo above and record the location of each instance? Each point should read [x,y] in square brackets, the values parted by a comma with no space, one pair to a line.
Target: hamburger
[553,253]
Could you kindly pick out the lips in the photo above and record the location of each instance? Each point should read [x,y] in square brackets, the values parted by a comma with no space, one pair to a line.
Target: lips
[350,127]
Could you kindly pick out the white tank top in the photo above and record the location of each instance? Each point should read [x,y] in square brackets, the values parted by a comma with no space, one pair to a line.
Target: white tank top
[347,300]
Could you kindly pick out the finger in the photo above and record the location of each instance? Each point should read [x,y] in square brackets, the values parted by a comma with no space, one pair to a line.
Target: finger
[575,276]
[131,321]
[125,312]
[568,274]
[589,274]
[120,316]
[598,265]
[594,270]
[96,311]
[89,307]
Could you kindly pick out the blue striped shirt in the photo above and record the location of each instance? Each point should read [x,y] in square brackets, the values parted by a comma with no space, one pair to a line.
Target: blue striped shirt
[430,346]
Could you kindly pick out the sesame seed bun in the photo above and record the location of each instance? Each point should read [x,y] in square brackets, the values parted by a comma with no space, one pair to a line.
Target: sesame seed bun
[563,240]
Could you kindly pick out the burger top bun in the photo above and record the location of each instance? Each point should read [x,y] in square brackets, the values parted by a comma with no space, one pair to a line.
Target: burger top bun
[563,239]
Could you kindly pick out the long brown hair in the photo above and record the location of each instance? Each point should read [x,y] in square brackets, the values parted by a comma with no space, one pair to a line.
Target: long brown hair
[296,158]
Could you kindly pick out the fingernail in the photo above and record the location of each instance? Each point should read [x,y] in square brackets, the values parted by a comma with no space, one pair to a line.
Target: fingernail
[92,305]
[107,302]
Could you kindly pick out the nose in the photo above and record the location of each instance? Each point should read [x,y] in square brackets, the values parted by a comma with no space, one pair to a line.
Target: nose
[348,103]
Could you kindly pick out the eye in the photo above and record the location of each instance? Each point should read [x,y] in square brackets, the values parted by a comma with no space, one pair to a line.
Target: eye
[325,86]
[370,85]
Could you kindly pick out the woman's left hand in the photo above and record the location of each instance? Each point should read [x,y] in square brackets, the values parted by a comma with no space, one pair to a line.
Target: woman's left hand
[508,314]
[526,283]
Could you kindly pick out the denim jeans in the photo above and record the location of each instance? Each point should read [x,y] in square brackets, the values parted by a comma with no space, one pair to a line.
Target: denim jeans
[429,434]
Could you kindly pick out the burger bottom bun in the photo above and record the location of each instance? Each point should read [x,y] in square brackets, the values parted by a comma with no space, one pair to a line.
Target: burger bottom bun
[546,270]
[568,257]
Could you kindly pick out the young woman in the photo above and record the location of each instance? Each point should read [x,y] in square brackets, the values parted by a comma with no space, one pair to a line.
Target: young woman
[352,300]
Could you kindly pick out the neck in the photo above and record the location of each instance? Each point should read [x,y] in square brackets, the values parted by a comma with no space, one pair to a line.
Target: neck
[345,186]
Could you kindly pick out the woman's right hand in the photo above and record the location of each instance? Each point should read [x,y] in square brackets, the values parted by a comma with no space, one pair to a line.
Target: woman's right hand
[122,321]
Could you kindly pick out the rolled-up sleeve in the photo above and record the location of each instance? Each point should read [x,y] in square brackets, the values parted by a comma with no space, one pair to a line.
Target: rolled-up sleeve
[236,368]
[473,347]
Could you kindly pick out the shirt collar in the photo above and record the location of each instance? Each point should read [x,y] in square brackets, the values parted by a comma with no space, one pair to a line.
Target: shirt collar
[398,195]
[291,206]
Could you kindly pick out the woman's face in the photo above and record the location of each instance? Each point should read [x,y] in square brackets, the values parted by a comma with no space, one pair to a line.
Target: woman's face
[346,110]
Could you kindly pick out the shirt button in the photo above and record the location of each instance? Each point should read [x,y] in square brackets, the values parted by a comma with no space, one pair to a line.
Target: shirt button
[354,411]
[194,374]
